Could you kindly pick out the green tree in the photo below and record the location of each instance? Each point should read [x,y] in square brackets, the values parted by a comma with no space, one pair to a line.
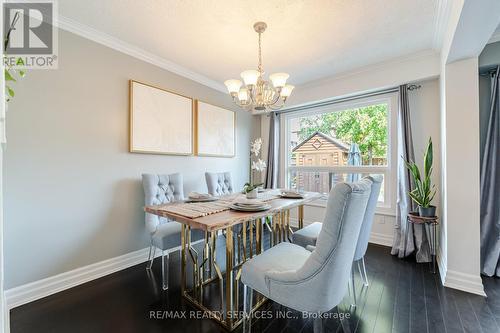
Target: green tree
[366,126]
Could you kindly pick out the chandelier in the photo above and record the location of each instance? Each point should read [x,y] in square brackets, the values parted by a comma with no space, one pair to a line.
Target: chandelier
[258,93]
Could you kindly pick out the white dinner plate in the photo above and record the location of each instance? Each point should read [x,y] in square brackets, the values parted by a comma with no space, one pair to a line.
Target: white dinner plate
[248,202]
[250,209]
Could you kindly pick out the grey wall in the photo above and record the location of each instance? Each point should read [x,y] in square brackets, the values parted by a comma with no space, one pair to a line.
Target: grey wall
[73,194]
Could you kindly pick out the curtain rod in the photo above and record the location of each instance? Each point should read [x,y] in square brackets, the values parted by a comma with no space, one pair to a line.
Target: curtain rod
[347,99]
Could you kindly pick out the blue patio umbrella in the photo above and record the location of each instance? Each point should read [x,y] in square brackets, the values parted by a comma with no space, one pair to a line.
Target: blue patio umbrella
[353,158]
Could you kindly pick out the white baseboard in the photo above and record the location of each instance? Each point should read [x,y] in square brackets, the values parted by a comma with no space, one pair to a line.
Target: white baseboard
[35,290]
[441,265]
[465,282]
[457,280]
[381,239]
[42,288]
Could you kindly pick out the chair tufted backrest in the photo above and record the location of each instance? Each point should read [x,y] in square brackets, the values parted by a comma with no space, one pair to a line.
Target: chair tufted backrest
[219,183]
[160,189]
[366,227]
[321,283]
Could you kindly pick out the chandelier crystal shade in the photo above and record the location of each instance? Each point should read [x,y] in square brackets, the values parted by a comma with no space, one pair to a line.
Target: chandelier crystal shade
[255,92]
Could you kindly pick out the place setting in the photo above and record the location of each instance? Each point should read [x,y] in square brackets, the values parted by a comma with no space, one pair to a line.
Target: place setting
[249,205]
[291,194]
[200,197]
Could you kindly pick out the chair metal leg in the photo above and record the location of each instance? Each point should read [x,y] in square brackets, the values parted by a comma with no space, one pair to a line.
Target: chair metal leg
[247,308]
[164,269]
[352,289]
[343,322]
[151,257]
[365,277]
[318,325]
[150,250]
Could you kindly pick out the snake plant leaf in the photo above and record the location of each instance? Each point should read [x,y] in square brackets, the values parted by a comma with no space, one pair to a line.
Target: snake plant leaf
[428,159]
[424,191]
[415,172]
[431,197]
[416,197]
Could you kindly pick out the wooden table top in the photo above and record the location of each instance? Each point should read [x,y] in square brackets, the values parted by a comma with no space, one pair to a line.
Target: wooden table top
[229,218]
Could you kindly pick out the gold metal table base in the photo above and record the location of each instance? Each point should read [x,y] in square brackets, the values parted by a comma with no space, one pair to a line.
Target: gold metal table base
[229,315]
[301,217]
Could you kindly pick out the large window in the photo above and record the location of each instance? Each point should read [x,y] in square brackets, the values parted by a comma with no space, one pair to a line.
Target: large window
[341,142]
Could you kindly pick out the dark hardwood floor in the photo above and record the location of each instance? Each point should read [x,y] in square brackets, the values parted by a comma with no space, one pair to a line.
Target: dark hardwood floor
[402,297]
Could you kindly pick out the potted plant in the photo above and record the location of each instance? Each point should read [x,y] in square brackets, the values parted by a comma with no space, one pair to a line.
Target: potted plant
[424,190]
[251,188]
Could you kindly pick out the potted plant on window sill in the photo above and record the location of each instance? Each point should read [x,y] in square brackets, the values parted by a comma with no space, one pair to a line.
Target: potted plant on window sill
[251,188]
[424,190]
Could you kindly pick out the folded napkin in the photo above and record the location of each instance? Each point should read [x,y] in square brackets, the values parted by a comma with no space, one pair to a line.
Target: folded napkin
[196,195]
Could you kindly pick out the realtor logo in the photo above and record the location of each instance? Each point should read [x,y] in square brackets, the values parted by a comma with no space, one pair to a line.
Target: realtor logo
[30,37]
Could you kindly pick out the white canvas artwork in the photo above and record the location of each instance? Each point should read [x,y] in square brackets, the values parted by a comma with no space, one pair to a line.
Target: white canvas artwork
[161,121]
[216,131]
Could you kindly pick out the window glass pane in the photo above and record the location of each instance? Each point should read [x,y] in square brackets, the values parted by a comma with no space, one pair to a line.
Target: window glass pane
[357,136]
[323,181]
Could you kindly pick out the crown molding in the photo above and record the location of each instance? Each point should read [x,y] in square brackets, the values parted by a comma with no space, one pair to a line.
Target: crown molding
[134,51]
[440,23]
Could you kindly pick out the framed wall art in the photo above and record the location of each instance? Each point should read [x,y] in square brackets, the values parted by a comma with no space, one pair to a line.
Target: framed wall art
[215,130]
[161,121]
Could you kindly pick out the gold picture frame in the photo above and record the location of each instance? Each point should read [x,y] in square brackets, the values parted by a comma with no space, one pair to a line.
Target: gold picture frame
[215,130]
[160,121]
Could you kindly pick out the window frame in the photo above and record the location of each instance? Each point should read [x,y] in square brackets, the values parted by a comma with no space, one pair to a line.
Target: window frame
[388,207]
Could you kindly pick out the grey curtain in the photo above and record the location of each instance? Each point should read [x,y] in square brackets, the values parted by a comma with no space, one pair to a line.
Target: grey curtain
[490,187]
[272,171]
[408,238]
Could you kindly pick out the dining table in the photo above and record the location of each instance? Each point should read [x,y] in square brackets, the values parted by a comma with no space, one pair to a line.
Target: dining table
[244,238]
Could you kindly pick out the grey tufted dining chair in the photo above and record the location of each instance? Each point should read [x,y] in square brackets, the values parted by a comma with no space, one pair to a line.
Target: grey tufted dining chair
[307,237]
[165,233]
[313,282]
[219,183]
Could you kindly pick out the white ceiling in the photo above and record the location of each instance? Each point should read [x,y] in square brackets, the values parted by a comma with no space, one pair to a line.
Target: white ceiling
[308,39]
